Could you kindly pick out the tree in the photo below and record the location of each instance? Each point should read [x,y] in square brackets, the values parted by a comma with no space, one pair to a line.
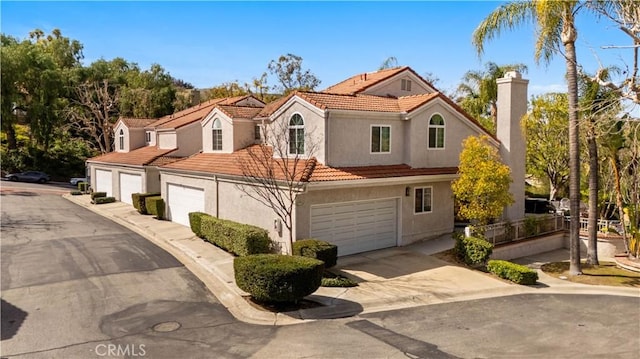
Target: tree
[288,70]
[547,141]
[278,170]
[227,89]
[478,93]
[389,63]
[147,94]
[482,190]
[554,23]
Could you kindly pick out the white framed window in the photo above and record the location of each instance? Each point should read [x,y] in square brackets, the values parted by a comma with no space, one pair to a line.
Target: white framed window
[256,132]
[121,140]
[296,135]
[216,135]
[380,139]
[148,136]
[436,132]
[423,199]
[405,85]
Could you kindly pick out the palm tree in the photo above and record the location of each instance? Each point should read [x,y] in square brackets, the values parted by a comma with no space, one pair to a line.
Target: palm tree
[555,26]
[478,92]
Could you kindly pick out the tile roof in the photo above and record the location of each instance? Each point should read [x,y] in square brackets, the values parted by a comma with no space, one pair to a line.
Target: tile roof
[195,113]
[308,170]
[137,122]
[140,156]
[361,82]
[239,111]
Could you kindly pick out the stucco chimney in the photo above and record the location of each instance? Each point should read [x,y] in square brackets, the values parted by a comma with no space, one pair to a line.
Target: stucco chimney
[512,105]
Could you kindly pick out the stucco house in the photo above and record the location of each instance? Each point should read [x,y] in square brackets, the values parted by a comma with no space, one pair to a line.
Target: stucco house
[141,145]
[385,145]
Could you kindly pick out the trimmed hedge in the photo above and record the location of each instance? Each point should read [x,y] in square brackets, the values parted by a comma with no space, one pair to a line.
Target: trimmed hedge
[514,272]
[237,238]
[139,201]
[155,206]
[195,222]
[83,186]
[278,277]
[95,195]
[101,200]
[315,248]
[76,193]
[472,250]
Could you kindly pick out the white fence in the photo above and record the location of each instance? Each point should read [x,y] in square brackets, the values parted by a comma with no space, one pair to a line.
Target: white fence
[533,226]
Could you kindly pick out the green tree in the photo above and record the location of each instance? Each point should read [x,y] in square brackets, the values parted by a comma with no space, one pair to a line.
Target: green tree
[482,190]
[147,94]
[478,92]
[548,141]
[554,23]
[288,70]
[227,89]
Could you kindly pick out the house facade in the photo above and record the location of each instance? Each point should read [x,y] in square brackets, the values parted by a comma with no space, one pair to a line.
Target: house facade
[376,155]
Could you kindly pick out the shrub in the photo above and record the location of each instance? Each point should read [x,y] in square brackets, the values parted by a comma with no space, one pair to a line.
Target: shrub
[95,195]
[83,186]
[195,221]
[514,272]
[101,200]
[139,201]
[472,250]
[155,206]
[76,193]
[338,281]
[278,277]
[315,248]
[237,238]
[531,226]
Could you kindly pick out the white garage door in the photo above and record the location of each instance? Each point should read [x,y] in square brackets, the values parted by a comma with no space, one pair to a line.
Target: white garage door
[129,184]
[103,182]
[182,200]
[356,226]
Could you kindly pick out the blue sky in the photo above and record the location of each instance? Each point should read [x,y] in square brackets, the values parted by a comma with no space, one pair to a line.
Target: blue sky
[207,43]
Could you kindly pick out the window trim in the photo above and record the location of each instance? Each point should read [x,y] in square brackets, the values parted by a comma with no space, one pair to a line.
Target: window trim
[121,140]
[443,127]
[405,85]
[215,129]
[415,190]
[147,135]
[257,133]
[296,128]
[371,140]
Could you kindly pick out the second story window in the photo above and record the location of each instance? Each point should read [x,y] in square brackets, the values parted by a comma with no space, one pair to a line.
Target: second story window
[405,85]
[296,135]
[436,132]
[121,140]
[423,200]
[148,136]
[380,139]
[217,135]
[256,135]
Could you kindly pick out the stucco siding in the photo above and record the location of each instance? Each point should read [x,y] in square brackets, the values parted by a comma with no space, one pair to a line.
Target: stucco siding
[394,88]
[115,176]
[167,140]
[243,134]
[350,141]
[136,138]
[189,140]
[313,127]
[456,130]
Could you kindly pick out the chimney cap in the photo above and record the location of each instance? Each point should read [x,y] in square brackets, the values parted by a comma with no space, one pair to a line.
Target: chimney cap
[512,75]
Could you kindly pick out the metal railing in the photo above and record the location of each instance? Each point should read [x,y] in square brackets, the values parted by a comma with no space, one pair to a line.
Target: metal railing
[505,232]
[603,225]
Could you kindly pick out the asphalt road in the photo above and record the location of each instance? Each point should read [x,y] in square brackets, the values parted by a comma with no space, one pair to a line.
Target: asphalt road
[75,285]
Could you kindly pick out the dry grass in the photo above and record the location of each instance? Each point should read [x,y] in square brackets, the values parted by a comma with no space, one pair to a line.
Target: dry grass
[607,273]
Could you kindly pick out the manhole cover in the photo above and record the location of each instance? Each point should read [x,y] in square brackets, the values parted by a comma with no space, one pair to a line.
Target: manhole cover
[166,327]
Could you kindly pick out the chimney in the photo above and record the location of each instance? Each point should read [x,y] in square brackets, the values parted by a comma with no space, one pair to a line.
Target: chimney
[512,105]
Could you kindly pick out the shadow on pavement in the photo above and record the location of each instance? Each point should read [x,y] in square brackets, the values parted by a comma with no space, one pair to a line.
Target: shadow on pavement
[12,319]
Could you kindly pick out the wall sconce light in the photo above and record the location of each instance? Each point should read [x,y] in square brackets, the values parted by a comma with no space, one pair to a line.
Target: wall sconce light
[407,191]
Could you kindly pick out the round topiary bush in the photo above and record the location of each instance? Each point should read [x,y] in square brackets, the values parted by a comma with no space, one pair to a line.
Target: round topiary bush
[278,277]
[315,248]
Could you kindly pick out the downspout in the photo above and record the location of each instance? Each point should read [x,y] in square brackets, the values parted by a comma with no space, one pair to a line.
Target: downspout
[327,116]
[217,198]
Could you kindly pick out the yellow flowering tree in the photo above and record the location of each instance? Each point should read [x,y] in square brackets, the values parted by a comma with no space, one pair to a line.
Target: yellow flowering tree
[482,190]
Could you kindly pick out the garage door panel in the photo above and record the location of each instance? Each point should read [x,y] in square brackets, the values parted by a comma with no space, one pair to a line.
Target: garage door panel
[104,182]
[181,200]
[356,226]
[129,184]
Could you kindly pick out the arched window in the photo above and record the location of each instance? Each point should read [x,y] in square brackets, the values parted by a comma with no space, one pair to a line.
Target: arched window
[217,135]
[296,135]
[436,132]
[121,140]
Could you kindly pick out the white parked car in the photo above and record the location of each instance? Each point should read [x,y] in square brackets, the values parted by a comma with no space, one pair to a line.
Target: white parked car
[74,181]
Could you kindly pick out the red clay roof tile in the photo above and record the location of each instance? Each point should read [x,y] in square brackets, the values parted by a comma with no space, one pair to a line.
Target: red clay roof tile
[361,82]
[137,122]
[140,156]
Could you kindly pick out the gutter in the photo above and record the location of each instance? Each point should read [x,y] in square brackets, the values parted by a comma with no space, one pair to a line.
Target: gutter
[324,185]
